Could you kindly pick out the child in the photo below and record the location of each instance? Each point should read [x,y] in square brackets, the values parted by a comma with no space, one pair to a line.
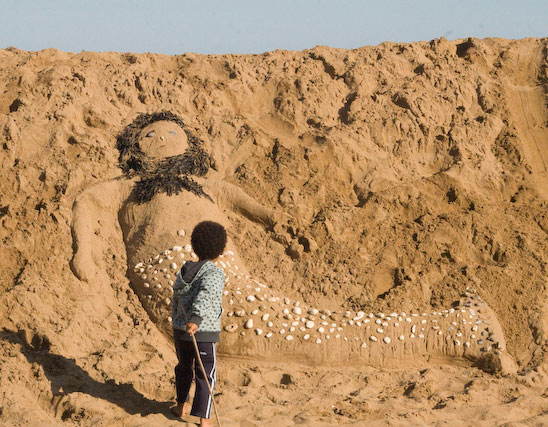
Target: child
[196,311]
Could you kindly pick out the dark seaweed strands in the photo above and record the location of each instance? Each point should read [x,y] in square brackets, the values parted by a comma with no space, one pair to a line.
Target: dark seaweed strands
[132,160]
[169,176]
[172,175]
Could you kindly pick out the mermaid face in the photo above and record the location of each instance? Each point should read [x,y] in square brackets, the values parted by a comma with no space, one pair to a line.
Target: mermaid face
[163,139]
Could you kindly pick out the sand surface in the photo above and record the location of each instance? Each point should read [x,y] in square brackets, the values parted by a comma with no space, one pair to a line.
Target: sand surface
[382,179]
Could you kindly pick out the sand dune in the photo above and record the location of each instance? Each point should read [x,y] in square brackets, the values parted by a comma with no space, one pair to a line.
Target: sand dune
[387,179]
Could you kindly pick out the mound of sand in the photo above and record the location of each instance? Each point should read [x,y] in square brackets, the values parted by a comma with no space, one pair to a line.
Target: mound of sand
[410,172]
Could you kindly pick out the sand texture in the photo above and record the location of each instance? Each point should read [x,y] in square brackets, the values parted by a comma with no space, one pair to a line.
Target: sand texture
[387,218]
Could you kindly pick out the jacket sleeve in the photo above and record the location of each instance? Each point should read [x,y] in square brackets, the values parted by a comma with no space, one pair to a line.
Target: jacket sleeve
[209,296]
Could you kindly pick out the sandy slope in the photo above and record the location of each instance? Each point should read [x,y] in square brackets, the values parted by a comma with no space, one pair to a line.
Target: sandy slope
[416,170]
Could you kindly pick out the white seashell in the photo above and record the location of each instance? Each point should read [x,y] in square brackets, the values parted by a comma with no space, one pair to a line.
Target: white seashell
[385,324]
[250,298]
[254,312]
[338,336]
[401,337]
[363,345]
[265,317]
[268,335]
[350,322]
[292,329]
[413,329]
[181,255]
[167,276]
[170,283]
[380,330]
[231,328]
[248,324]
[302,328]
[318,341]
[408,319]
[378,321]
[138,265]
[320,330]
[467,344]
[225,293]
[282,331]
[306,337]
[259,331]
[173,266]
[297,310]
[181,232]
[169,319]
[176,248]
[457,342]
[161,260]
[309,324]
[387,340]
[324,323]
[296,303]
[295,323]
[440,332]
[230,314]
[270,324]
[158,286]
[313,311]
[286,300]
[168,301]
[188,248]
[421,336]
[146,285]
[285,311]
[373,338]
[193,255]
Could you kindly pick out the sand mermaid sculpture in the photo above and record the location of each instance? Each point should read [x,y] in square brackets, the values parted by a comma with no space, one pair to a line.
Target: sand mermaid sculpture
[169,185]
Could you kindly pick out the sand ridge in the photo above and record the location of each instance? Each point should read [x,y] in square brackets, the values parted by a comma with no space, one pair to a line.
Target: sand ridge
[410,172]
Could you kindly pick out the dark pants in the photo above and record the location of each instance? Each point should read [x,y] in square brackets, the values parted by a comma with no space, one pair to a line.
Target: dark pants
[185,370]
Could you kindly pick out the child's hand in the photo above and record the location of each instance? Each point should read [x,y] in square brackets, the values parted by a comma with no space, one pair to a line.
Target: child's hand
[191,328]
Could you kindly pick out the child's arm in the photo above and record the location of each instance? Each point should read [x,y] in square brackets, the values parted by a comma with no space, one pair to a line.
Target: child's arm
[211,291]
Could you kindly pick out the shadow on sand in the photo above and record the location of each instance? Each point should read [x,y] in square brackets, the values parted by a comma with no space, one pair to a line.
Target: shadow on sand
[67,377]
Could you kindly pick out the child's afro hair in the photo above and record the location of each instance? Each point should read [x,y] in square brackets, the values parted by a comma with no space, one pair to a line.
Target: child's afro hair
[208,240]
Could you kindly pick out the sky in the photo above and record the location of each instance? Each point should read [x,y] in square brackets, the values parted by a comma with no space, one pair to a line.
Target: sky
[257,26]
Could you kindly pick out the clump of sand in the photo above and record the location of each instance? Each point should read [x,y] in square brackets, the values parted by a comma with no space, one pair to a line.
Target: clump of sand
[410,171]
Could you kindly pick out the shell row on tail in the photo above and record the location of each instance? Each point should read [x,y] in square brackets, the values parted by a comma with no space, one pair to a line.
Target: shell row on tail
[256,308]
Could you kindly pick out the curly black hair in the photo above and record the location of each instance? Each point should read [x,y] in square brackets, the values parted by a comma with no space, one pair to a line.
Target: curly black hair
[208,240]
